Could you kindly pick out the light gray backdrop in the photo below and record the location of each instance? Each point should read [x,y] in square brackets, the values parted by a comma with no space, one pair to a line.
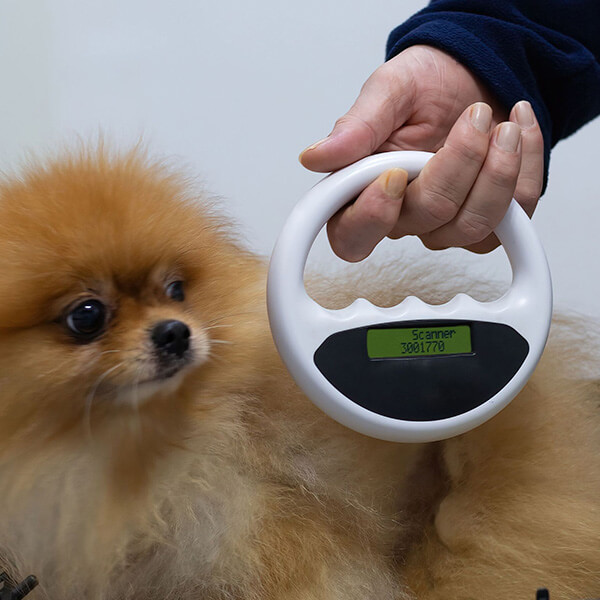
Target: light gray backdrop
[235,90]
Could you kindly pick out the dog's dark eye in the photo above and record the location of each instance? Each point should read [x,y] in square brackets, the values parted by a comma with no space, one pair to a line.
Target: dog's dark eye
[175,291]
[87,320]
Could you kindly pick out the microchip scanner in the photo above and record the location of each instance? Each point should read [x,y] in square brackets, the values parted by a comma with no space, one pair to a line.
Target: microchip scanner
[413,372]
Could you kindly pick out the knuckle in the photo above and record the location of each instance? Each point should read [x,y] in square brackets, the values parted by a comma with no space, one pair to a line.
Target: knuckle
[388,79]
[354,120]
[438,205]
[343,121]
[352,255]
[466,151]
[430,242]
[535,139]
[473,227]
[503,174]
[376,213]
[484,246]
[528,193]
[398,230]
[379,78]
[342,245]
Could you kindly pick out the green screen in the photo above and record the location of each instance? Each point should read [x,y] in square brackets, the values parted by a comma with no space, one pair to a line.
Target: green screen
[418,341]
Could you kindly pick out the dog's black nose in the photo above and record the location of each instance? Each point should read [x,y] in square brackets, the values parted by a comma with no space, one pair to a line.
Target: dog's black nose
[172,337]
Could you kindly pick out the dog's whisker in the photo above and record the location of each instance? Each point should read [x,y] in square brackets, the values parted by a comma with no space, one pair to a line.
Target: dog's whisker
[218,326]
[213,356]
[236,314]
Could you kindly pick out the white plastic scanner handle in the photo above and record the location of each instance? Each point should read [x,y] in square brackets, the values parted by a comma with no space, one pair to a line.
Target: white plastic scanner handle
[300,325]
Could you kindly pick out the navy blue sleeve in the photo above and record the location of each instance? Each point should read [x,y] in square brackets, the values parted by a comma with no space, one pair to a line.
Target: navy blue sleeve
[543,51]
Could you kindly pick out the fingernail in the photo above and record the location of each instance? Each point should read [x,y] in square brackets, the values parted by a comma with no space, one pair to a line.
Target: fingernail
[524,114]
[508,136]
[313,146]
[393,182]
[481,116]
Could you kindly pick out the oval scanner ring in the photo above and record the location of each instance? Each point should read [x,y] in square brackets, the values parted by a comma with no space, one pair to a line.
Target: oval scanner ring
[413,372]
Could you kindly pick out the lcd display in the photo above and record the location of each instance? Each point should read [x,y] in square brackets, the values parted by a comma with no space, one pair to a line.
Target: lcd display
[419,341]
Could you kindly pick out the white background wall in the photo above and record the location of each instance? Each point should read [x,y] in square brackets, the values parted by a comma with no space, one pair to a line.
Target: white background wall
[235,90]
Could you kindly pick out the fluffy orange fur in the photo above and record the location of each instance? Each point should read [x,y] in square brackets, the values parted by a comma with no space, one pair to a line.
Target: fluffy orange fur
[222,481]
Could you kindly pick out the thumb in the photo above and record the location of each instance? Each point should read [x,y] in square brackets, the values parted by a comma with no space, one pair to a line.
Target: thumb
[383,105]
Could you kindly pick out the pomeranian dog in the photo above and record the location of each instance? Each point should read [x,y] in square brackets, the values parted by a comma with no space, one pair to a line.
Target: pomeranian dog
[152,445]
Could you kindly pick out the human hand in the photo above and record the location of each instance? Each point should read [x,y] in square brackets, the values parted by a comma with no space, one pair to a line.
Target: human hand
[420,100]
